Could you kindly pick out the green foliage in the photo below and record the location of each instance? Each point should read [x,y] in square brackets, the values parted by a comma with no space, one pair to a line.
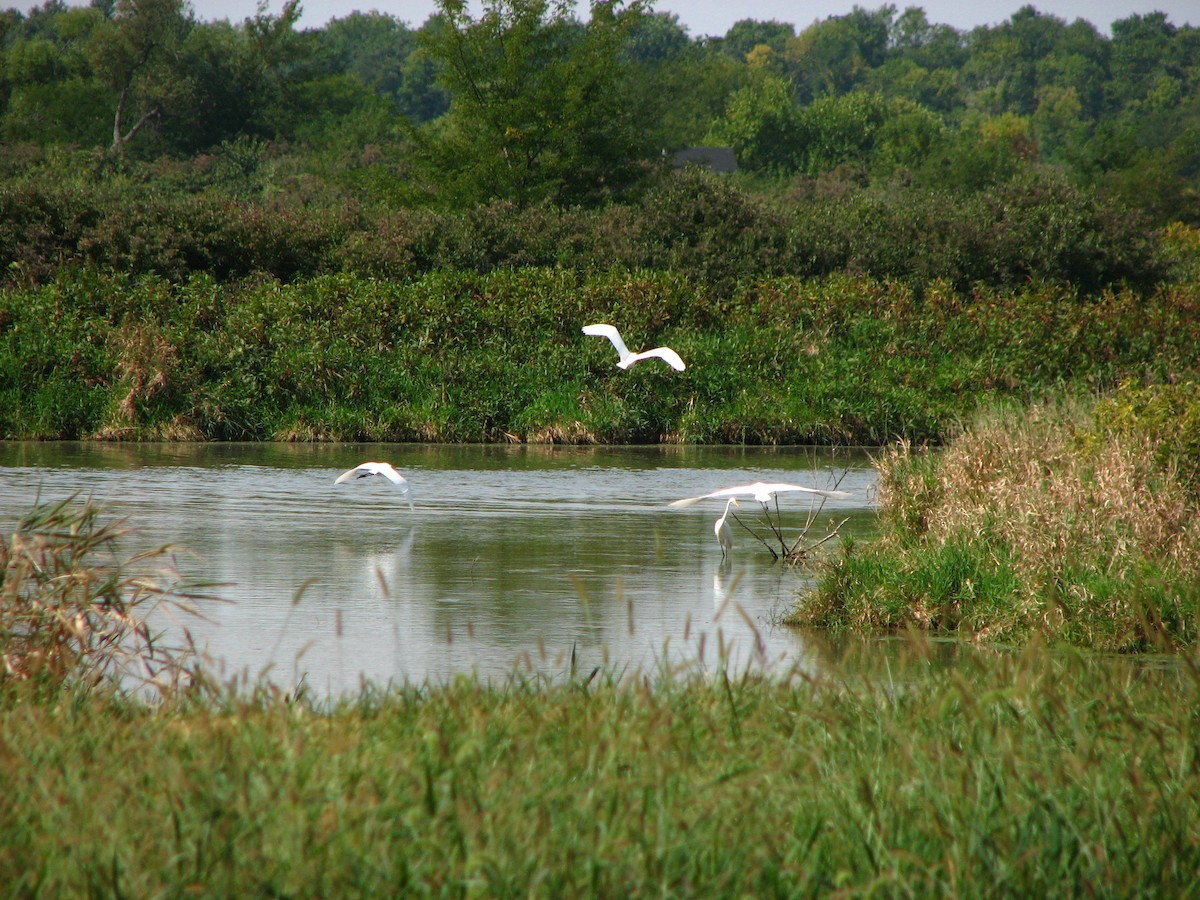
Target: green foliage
[130,54]
[779,360]
[454,113]
[538,111]
[372,46]
[831,56]
[1165,415]
[745,35]
[866,130]
[934,770]
[760,124]
[68,111]
[1030,228]
[223,216]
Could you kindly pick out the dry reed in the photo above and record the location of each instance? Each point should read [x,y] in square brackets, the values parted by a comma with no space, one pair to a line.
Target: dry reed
[1030,521]
[72,609]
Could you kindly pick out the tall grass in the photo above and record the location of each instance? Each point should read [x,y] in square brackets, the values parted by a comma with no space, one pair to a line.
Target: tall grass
[75,609]
[1006,775]
[940,769]
[1047,520]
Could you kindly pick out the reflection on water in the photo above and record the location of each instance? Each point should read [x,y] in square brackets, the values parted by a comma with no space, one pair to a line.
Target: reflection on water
[513,556]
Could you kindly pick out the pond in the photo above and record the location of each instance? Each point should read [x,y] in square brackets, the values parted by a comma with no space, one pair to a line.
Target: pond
[512,557]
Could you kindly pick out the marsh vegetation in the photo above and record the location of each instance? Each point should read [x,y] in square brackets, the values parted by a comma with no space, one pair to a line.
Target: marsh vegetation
[1075,520]
[1011,773]
[977,252]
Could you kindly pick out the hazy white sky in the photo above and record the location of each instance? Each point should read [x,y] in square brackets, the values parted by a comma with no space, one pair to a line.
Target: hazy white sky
[714,17]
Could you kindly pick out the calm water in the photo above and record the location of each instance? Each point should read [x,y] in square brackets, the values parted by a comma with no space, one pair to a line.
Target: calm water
[512,556]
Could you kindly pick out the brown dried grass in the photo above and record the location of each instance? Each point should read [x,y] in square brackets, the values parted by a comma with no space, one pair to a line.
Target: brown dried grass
[1056,494]
[1033,521]
[74,610]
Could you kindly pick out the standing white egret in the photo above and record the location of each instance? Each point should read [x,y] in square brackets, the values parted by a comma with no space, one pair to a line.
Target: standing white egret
[763,492]
[367,469]
[627,358]
[760,491]
[723,531]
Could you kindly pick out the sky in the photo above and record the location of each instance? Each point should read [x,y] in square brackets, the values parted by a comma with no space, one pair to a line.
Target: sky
[714,17]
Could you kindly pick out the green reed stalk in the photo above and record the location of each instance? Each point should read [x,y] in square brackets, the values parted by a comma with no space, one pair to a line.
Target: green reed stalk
[992,774]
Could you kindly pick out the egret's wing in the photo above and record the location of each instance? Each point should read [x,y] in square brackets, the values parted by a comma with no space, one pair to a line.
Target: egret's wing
[610,332]
[391,475]
[755,490]
[356,472]
[724,492]
[374,468]
[664,353]
[781,488]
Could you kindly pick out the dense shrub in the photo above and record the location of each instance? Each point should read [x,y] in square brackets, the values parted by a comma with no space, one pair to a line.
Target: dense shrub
[717,232]
[1165,415]
[1027,229]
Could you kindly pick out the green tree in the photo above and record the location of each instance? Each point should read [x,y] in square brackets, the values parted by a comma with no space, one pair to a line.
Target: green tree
[47,91]
[421,97]
[678,84]
[33,61]
[1080,63]
[133,55]
[225,89]
[1142,52]
[922,64]
[657,38]
[983,152]
[372,46]
[1007,64]
[538,109]
[250,81]
[836,55]
[936,90]
[746,34]
[1058,124]
[866,131]
[761,123]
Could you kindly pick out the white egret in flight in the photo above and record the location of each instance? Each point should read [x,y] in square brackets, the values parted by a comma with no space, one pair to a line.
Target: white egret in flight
[760,491]
[628,359]
[723,531]
[377,468]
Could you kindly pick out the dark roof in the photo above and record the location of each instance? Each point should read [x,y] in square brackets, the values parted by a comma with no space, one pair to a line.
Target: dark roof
[719,159]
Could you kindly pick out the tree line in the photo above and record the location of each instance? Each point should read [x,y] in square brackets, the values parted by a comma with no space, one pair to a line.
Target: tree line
[529,103]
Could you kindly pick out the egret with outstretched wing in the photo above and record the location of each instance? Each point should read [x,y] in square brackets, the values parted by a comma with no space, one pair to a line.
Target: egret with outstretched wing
[627,358]
[760,491]
[368,469]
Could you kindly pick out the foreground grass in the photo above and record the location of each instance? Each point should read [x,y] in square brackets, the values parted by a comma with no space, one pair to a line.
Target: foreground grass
[1079,521]
[1007,775]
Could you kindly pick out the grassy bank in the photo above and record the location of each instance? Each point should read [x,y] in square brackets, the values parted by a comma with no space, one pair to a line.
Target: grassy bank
[458,356]
[1006,775]
[1079,521]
